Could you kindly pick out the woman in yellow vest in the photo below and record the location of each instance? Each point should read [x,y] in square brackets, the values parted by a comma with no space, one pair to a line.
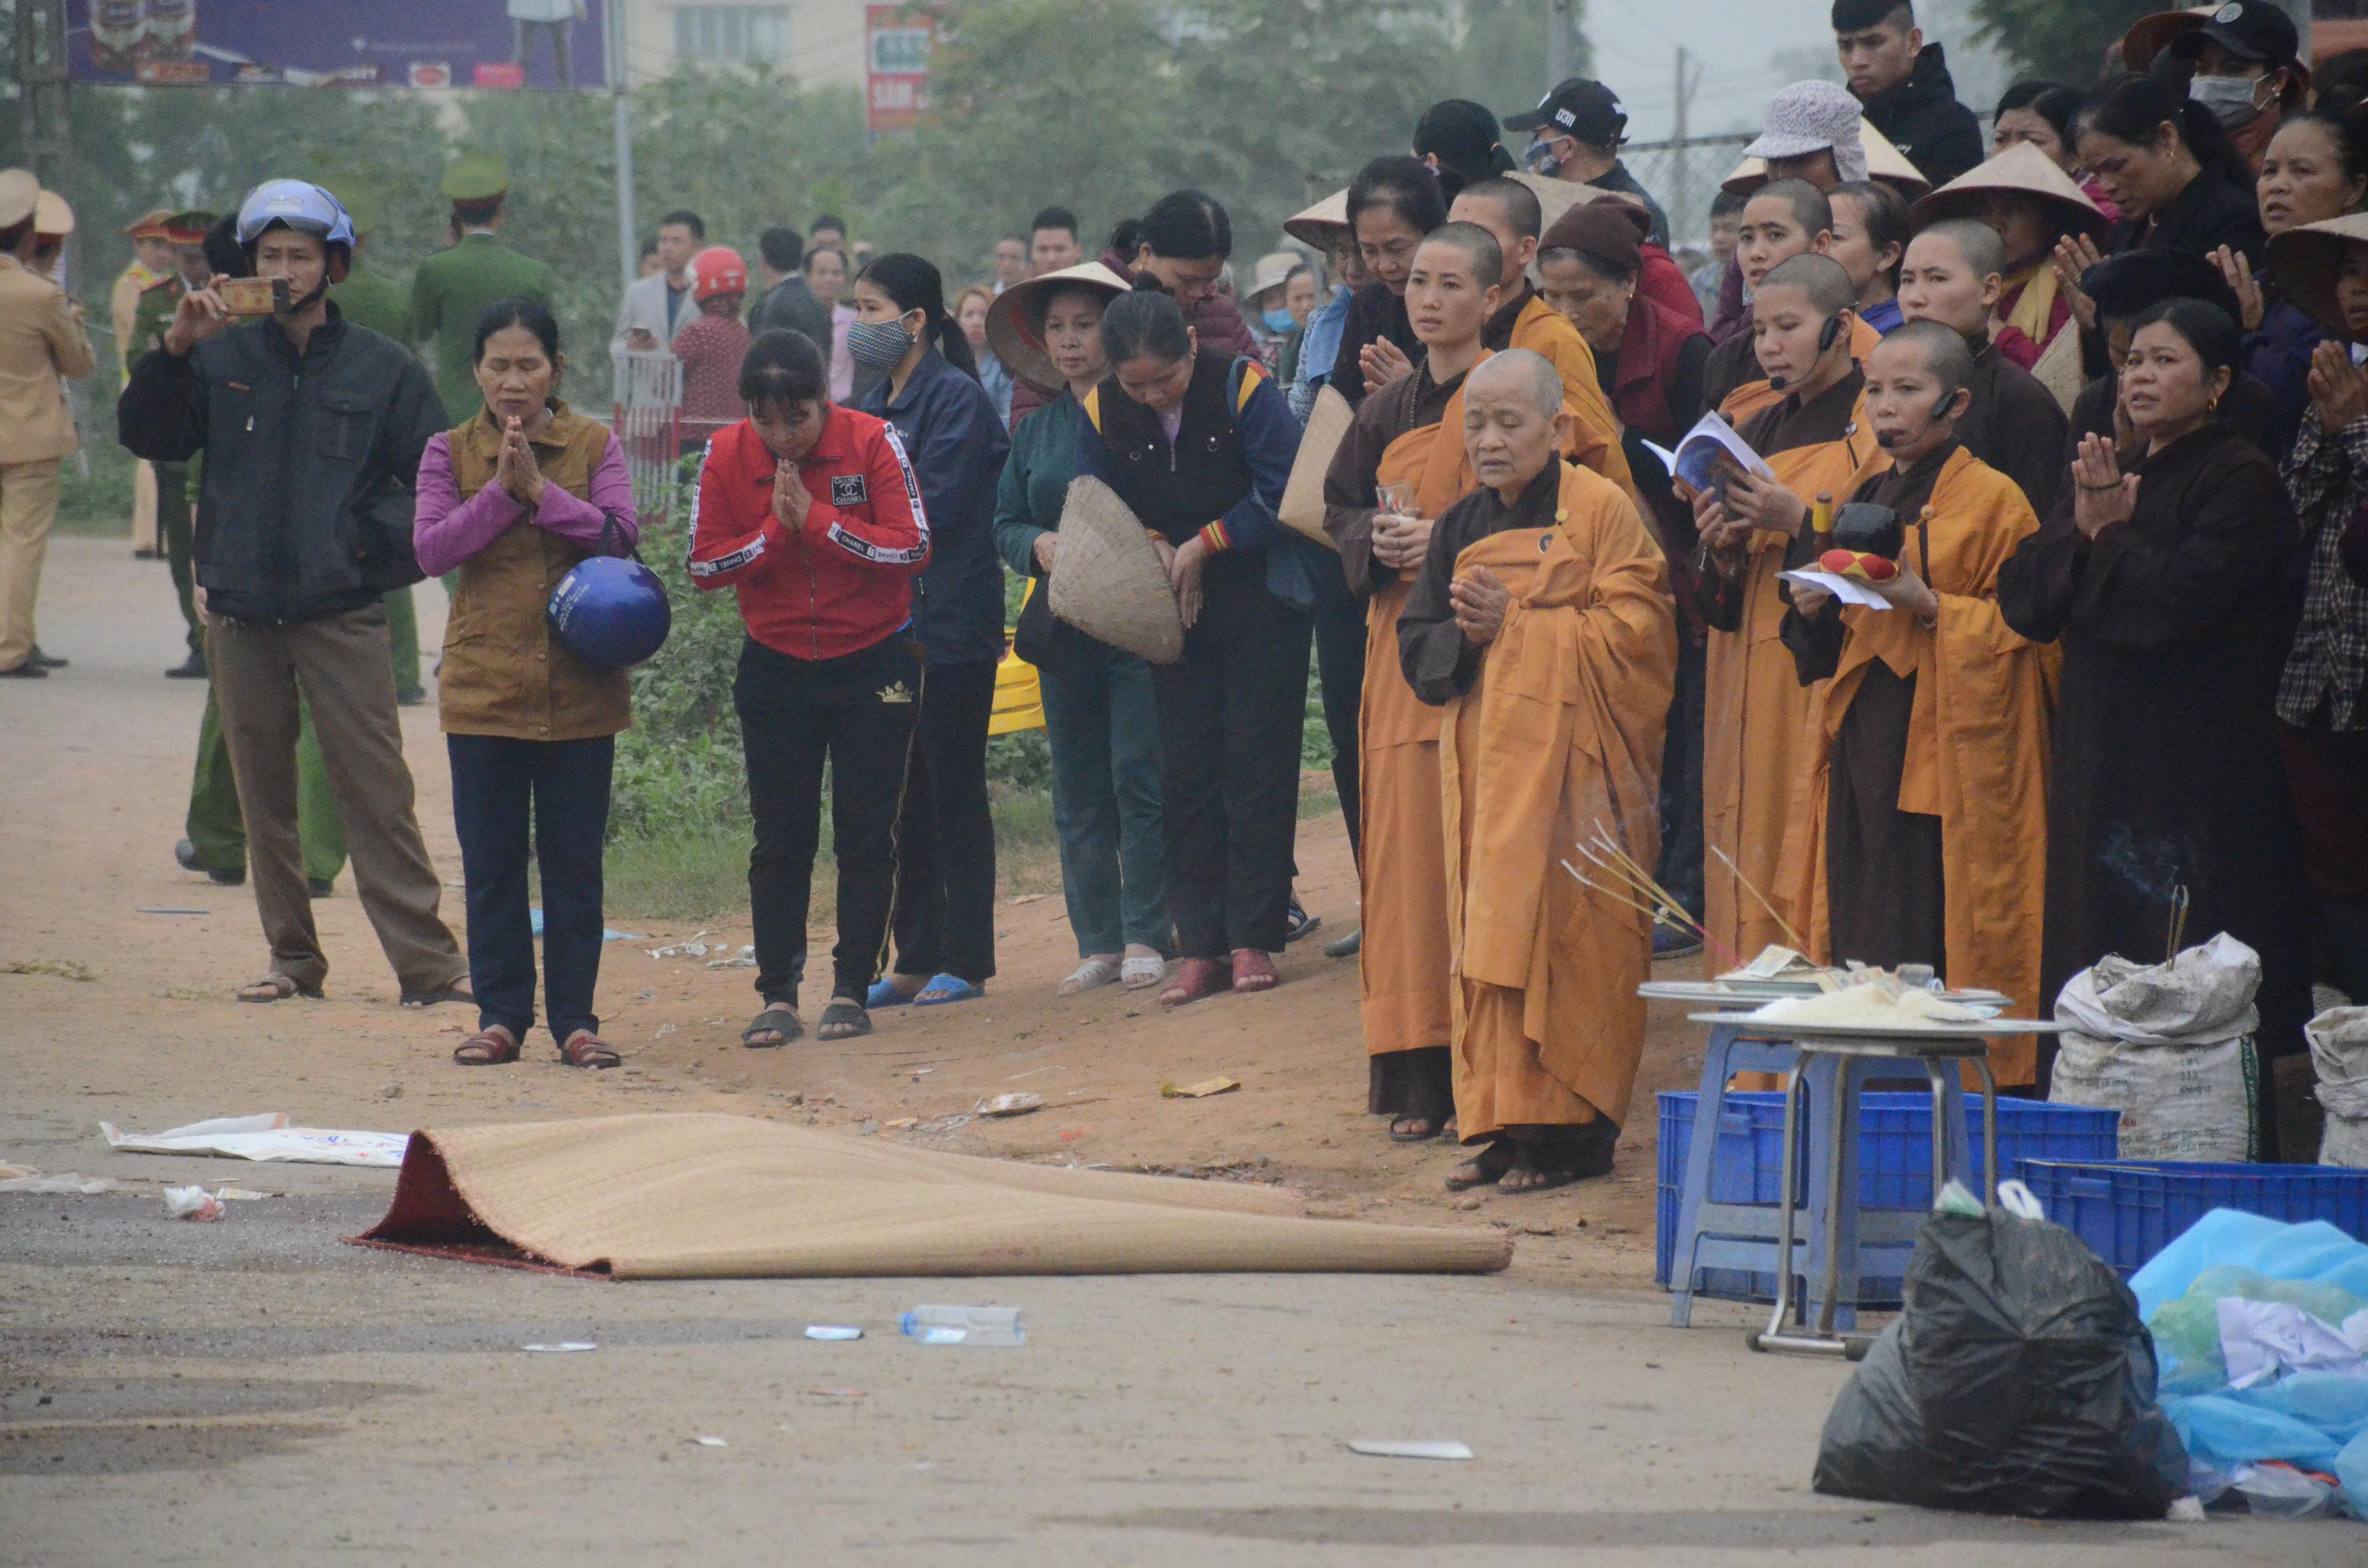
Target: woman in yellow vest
[513,499]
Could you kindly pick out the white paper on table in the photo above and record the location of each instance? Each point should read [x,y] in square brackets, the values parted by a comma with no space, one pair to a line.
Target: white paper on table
[1696,459]
[1771,963]
[1849,590]
[266,1136]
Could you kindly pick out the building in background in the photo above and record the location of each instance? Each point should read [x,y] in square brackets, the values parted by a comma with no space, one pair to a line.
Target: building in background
[815,41]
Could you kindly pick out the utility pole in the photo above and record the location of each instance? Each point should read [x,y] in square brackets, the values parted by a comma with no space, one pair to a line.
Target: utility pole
[1681,196]
[628,250]
[1560,27]
[46,134]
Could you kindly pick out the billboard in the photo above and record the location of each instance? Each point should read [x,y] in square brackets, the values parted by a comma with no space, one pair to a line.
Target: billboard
[336,43]
[897,42]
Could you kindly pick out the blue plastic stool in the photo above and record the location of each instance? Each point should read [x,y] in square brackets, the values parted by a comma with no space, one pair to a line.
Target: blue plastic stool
[1745,1236]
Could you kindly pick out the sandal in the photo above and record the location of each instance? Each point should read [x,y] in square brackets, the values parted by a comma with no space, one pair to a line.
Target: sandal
[492,1046]
[1398,1134]
[944,988]
[845,1019]
[1195,978]
[1141,971]
[584,1049]
[778,1020]
[1532,1179]
[886,992]
[1254,971]
[1092,975]
[1487,1167]
[277,987]
[433,998]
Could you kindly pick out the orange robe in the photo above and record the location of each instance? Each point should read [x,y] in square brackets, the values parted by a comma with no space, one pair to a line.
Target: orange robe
[1542,330]
[1753,710]
[1752,396]
[1977,748]
[1561,730]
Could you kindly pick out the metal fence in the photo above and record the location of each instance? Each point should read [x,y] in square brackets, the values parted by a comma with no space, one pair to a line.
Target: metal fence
[647,396]
[1684,178]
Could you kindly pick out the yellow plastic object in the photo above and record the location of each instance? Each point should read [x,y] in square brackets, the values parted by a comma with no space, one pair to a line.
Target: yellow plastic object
[1018,696]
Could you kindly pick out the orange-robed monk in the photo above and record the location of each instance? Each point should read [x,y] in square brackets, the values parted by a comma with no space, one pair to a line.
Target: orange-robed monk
[1541,623]
[1754,707]
[1920,832]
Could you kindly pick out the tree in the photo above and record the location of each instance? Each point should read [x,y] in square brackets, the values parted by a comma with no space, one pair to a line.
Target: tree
[2063,40]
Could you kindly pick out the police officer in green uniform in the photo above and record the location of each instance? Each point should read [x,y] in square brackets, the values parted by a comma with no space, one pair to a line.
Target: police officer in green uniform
[452,285]
[369,298]
[185,232]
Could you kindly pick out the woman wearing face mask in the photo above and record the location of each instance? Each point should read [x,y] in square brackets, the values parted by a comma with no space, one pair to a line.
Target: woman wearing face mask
[930,394]
[1199,445]
[510,502]
[2163,573]
[827,280]
[810,512]
[2316,168]
[2323,692]
[1099,715]
[1393,203]
[1180,248]
[2244,66]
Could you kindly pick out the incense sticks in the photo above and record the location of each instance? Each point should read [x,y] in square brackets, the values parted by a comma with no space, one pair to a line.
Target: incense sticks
[1631,882]
[1792,935]
[2179,902]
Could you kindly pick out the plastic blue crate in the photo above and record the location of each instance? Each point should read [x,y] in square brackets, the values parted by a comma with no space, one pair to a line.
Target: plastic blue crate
[2129,1210]
[1895,1156]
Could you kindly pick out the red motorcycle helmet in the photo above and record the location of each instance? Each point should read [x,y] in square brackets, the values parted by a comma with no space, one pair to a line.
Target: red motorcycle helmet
[718,269]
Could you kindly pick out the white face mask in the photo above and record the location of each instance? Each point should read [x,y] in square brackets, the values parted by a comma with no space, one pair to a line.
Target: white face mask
[2229,97]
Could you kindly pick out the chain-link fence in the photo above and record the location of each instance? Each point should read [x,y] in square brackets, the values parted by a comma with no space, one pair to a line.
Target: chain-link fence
[1684,178]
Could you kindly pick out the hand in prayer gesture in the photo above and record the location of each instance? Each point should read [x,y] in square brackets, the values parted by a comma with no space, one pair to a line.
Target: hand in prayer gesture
[1382,362]
[2239,274]
[790,497]
[515,470]
[1401,540]
[2104,495]
[2337,387]
[2076,254]
[1479,596]
[1184,575]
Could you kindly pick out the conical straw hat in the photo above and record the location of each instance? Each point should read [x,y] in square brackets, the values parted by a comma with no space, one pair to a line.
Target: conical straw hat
[2024,170]
[1010,321]
[1107,579]
[1884,162]
[1319,225]
[1303,498]
[2307,262]
[1556,197]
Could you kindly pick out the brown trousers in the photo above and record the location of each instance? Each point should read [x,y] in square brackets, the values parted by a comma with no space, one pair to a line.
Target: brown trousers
[341,662]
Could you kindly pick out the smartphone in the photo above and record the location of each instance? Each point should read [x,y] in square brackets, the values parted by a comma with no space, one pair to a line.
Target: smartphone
[252,296]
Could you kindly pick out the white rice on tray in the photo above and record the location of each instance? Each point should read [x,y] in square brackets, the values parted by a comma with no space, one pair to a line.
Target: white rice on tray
[1872,1006]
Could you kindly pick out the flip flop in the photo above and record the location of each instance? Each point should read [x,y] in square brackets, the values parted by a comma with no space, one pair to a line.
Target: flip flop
[277,987]
[1492,1163]
[884,994]
[776,1019]
[843,1014]
[956,989]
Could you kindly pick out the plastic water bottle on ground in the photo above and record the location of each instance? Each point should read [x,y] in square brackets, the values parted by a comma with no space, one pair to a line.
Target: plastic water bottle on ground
[965,1325]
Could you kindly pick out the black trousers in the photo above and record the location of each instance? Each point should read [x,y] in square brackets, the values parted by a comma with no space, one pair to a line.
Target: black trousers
[945,835]
[856,711]
[499,784]
[1341,671]
[1231,716]
[1680,869]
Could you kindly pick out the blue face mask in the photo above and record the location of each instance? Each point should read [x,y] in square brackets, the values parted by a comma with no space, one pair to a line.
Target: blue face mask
[1280,320]
[879,344]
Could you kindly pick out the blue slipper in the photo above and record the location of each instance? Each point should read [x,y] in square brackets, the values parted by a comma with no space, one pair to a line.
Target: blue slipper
[961,991]
[884,994]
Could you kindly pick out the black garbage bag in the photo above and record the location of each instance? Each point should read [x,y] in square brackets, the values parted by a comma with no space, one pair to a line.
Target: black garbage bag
[2017,1380]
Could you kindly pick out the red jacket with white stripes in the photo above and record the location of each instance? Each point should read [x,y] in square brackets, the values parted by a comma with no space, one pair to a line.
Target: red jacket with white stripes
[843,582]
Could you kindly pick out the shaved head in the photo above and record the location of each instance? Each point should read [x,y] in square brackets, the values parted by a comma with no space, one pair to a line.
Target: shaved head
[1824,280]
[1515,200]
[1941,349]
[1520,371]
[1477,244]
[1983,252]
[1810,207]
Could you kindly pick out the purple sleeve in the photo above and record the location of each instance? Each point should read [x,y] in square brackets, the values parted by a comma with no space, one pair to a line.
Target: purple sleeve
[1733,315]
[586,521]
[447,530]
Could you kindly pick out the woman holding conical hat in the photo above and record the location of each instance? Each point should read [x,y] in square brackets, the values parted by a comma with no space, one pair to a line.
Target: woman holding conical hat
[2027,198]
[1099,715]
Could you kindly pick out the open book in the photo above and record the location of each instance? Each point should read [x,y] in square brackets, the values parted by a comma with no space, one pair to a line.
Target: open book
[1698,462]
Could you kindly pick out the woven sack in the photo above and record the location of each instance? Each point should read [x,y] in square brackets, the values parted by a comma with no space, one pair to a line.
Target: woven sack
[1303,498]
[1107,581]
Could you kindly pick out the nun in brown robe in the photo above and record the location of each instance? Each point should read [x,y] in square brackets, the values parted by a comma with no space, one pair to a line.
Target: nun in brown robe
[2162,573]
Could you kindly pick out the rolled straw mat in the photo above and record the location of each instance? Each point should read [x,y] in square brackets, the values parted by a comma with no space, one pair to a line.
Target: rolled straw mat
[707,1197]
[1107,579]
[1303,497]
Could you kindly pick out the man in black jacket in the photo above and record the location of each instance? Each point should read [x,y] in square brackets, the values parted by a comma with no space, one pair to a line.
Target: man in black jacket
[787,302]
[1903,85]
[312,430]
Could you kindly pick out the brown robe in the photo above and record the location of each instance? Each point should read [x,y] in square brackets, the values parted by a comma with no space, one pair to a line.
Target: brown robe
[1527,322]
[1551,729]
[2016,426]
[1921,833]
[1736,386]
[1753,704]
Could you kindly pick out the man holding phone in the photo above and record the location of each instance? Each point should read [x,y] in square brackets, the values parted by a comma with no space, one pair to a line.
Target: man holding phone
[311,429]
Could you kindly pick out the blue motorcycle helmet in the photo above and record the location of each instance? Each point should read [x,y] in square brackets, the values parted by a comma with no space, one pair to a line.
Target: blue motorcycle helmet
[307,209]
[610,611]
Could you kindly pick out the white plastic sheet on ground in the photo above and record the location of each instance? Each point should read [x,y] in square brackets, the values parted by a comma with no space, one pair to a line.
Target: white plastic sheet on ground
[266,1136]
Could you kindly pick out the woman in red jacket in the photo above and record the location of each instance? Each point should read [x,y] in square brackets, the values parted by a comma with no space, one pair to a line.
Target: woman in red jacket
[812,514]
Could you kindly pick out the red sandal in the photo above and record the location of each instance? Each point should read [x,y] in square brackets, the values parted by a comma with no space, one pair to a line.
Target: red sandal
[492,1046]
[1195,978]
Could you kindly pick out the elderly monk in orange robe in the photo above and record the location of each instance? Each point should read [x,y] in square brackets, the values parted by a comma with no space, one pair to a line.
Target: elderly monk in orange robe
[1816,441]
[1922,831]
[1541,623]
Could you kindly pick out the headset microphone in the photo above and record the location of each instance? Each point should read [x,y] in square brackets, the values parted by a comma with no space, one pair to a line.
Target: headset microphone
[1832,330]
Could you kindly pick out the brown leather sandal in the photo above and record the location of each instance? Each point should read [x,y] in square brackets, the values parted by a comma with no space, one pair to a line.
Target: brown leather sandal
[584,1049]
[492,1046]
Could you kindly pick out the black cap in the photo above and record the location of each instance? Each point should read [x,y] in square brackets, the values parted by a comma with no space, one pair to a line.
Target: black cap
[2125,285]
[1588,110]
[1462,136]
[2253,30]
